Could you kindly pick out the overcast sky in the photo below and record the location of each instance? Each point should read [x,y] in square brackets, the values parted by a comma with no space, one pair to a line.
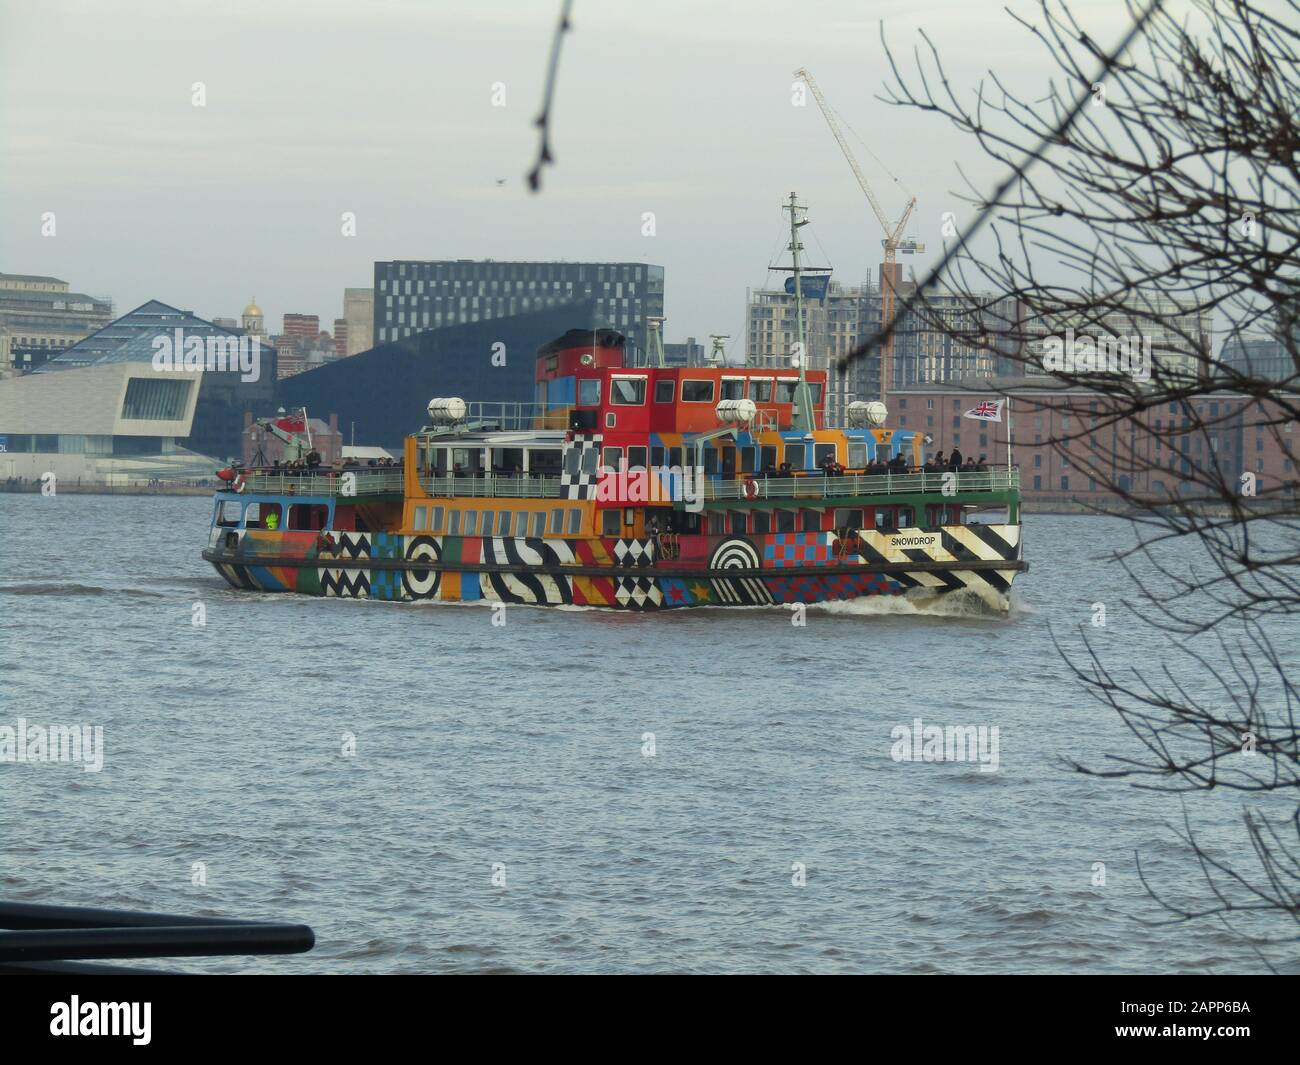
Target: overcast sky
[383,108]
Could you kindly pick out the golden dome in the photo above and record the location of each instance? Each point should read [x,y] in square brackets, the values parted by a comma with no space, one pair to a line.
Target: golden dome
[253,310]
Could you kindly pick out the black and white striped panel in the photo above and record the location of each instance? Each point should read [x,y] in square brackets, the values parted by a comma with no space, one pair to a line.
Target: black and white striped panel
[541,589]
[951,544]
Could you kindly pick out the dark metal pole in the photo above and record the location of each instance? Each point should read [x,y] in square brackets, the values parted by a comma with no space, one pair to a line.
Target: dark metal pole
[154,941]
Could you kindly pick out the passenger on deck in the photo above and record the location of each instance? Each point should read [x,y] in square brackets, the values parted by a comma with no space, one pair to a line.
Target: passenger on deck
[954,460]
[982,465]
[898,464]
[785,470]
[939,462]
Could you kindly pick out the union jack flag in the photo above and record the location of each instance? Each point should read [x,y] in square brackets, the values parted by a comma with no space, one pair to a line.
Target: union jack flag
[986,411]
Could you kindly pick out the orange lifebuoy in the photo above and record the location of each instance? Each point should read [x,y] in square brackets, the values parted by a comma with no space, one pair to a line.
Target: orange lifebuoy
[751,488]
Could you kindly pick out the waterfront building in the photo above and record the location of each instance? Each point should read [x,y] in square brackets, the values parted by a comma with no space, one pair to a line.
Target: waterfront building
[40,317]
[413,296]
[1233,436]
[359,313]
[225,393]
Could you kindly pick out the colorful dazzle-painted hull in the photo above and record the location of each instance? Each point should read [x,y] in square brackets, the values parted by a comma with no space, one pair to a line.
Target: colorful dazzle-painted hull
[778,568]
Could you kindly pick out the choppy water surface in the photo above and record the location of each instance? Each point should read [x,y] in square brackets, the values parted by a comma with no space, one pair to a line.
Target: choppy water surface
[523,745]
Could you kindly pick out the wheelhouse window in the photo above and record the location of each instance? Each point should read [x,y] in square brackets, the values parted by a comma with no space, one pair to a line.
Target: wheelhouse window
[733,388]
[421,515]
[308,516]
[435,519]
[785,390]
[453,523]
[538,524]
[228,513]
[795,455]
[810,520]
[557,521]
[471,522]
[746,460]
[627,391]
[769,457]
[664,391]
[636,457]
[760,391]
[762,521]
[611,457]
[610,523]
[785,521]
[589,392]
[263,516]
[575,521]
[848,519]
[503,523]
[697,391]
[657,456]
[885,518]
[822,452]
[857,455]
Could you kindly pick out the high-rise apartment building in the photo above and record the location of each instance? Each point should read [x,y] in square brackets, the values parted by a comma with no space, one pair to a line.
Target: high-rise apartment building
[415,296]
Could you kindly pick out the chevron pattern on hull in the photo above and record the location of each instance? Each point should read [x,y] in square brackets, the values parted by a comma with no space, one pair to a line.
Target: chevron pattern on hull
[345,583]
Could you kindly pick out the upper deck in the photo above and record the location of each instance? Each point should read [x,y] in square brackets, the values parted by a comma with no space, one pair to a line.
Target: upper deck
[389,482]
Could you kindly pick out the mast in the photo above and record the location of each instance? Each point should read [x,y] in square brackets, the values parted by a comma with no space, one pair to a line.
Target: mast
[803,414]
[718,353]
[656,352]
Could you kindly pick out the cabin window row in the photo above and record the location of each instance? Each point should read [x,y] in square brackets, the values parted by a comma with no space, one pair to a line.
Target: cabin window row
[740,522]
[560,521]
[725,460]
[630,391]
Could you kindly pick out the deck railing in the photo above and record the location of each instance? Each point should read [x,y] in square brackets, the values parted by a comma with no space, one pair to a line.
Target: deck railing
[811,486]
[535,487]
[817,486]
[387,481]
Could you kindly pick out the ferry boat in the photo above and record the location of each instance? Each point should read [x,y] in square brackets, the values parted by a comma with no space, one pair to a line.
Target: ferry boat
[631,487]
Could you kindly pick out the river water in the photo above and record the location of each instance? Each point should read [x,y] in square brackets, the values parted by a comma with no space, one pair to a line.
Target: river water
[580,791]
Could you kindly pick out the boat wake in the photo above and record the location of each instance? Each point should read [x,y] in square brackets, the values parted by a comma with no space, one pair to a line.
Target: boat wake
[68,588]
[959,605]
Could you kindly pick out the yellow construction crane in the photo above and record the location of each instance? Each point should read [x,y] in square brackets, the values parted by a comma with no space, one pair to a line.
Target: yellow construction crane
[892,242]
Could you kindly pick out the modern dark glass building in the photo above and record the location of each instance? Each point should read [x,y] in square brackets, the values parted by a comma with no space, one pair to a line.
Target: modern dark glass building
[414,296]
[383,394]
